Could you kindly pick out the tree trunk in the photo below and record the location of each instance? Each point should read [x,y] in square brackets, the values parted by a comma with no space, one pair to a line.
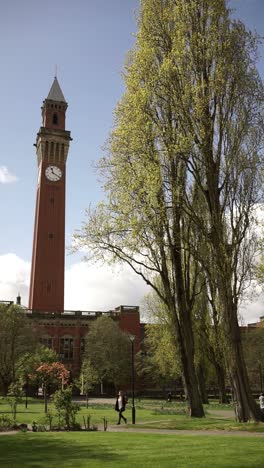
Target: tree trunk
[195,407]
[245,406]
[201,383]
[5,386]
[223,398]
[45,399]
[193,397]
[181,312]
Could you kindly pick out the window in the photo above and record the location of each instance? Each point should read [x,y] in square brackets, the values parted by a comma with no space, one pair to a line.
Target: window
[55,119]
[46,340]
[82,346]
[66,348]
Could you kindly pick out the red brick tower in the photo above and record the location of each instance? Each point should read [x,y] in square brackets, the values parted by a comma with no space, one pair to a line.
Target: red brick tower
[47,270]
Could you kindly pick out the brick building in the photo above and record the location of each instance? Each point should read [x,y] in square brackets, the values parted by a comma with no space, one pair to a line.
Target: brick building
[64,331]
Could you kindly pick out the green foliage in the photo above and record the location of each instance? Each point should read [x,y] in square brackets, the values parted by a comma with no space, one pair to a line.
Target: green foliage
[65,407]
[162,352]
[253,347]
[6,423]
[17,340]
[183,173]
[31,361]
[88,378]
[160,344]
[14,396]
[107,351]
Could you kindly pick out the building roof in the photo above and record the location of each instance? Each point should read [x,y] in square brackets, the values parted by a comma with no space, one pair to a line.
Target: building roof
[55,93]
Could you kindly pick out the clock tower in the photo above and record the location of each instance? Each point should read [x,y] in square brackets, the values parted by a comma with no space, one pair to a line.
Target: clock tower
[47,269]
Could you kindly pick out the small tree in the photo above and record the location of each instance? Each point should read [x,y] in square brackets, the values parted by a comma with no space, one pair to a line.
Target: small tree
[30,362]
[88,378]
[65,407]
[14,396]
[49,374]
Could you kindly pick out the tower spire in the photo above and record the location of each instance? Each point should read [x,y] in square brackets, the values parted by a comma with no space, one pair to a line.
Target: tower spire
[56,93]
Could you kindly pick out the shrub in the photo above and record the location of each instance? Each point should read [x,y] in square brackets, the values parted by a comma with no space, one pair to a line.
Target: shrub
[65,407]
[5,423]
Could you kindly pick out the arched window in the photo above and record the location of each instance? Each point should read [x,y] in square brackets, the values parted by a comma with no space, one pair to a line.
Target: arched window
[55,119]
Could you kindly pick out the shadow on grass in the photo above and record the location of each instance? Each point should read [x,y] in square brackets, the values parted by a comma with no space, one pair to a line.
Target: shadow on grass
[52,449]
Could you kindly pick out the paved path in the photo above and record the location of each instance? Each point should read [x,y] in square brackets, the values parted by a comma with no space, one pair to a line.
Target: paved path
[142,430]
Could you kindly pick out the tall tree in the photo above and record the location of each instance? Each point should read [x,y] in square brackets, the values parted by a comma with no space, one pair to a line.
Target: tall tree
[188,127]
[220,102]
[17,339]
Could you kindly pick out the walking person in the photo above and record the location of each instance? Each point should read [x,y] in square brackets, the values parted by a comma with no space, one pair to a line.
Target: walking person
[120,406]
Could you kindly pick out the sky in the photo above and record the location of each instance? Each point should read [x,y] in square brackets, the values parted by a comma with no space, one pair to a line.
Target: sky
[86,41]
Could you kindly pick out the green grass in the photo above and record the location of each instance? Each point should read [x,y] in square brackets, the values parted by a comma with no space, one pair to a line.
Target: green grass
[149,414]
[134,450]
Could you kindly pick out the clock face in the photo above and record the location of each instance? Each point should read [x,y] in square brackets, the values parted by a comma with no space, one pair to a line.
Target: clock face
[53,173]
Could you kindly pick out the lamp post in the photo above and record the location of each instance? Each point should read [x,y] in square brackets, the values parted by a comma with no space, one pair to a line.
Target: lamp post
[132,339]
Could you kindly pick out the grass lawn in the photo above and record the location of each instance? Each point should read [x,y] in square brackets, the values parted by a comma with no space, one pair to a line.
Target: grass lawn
[155,414]
[99,449]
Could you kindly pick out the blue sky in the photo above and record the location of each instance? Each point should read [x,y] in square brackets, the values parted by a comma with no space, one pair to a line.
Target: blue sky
[88,41]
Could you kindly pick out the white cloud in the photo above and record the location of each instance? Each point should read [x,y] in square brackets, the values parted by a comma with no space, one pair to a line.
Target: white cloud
[6,177]
[86,287]
[14,277]
[95,287]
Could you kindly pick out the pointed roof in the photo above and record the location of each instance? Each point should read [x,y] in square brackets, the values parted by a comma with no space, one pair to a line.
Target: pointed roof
[55,93]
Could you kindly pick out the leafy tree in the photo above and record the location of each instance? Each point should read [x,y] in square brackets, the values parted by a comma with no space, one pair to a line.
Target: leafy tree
[189,127]
[31,361]
[17,339]
[14,396]
[88,378]
[161,347]
[160,342]
[220,96]
[50,373]
[107,351]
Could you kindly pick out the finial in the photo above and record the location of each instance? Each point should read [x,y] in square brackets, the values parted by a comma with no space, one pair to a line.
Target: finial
[56,70]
